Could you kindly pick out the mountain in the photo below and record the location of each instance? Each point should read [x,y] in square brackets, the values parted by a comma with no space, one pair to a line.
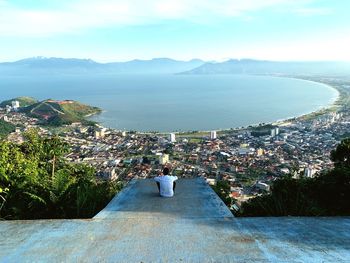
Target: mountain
[23,102]
[57,113]
[43,65]
[156,65]
[249,66]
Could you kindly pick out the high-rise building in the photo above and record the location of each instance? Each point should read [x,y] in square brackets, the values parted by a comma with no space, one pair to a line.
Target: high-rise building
[213,135]
[172,137]
[273,132]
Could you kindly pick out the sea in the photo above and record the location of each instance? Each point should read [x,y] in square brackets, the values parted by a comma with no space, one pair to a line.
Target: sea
[170,103]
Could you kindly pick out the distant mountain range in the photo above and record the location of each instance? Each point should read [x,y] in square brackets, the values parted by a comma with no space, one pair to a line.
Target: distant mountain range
[249,66]
[73,65]
[43,65]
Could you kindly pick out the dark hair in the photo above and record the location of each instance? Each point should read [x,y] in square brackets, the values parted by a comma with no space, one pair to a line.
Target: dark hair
[166,171]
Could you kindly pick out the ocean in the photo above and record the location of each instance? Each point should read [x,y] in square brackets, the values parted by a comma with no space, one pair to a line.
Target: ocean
[178,102]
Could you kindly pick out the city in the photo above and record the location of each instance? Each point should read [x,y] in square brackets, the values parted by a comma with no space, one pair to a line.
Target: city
[249,159]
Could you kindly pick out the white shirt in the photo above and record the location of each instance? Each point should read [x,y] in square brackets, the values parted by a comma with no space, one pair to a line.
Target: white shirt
[166,184]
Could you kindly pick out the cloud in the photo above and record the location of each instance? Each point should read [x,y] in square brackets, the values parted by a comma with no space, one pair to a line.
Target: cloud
[76,16]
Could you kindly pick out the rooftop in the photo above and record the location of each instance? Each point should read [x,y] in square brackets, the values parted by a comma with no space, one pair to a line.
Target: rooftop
[140,226]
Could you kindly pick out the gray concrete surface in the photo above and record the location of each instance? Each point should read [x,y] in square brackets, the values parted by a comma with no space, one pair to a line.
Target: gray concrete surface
[193,226]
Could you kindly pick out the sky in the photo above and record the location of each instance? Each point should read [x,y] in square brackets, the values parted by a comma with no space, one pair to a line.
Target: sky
[121,30]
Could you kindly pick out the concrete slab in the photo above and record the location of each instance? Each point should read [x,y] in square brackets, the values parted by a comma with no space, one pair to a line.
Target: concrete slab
[194,226]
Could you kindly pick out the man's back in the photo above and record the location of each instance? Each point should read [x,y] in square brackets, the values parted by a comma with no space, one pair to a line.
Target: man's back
[166,185]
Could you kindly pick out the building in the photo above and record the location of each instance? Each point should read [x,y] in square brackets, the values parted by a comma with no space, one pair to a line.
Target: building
[275,132]
[172,137]
[5,118]
[100,133]
[260,152]
[163,159]
[309,172]
[213,135]
[15,104]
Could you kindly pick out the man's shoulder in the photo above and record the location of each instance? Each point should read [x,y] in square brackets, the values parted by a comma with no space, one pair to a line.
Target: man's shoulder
[173,177]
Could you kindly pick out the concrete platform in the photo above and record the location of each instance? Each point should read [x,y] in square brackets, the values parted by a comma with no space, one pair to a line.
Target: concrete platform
[194,226]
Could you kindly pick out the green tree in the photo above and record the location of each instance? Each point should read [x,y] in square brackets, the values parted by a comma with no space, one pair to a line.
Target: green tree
[327,194]
[36,181]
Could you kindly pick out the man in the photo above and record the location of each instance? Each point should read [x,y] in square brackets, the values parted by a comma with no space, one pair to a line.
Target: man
[166,183]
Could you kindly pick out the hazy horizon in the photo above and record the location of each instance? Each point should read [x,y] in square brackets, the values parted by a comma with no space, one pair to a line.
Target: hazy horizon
[174,59]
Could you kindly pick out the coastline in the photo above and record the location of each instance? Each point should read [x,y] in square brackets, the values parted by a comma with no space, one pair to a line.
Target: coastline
[332,106]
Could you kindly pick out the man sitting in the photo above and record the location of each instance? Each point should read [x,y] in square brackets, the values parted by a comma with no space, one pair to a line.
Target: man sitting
[166,183]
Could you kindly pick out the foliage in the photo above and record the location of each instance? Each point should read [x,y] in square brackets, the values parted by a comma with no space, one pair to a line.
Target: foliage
[23,101]
[6,128]
[327,194]
[37,182]
[222,189]
[55,113]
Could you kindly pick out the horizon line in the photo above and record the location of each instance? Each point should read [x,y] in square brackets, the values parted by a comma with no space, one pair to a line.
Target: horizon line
[175,59]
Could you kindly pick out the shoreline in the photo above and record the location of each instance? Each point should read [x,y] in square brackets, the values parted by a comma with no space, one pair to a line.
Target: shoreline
[309,115]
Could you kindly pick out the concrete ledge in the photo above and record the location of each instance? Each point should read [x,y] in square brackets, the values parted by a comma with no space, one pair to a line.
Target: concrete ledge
[139,226]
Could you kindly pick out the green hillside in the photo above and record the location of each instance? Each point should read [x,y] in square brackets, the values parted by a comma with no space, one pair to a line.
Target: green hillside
[23,101]
[58,113]
[6,128]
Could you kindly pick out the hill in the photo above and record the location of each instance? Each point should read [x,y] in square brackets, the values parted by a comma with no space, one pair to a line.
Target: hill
[6,128]
[52,112]
[23,101]
[43,65]
[249,66]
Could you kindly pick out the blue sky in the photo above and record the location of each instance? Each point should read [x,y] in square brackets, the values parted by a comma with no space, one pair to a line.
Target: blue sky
[120,30]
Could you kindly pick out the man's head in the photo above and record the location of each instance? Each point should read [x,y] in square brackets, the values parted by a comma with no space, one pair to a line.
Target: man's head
[166,171]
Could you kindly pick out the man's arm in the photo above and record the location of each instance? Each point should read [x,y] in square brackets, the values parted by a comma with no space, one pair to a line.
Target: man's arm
[157,179]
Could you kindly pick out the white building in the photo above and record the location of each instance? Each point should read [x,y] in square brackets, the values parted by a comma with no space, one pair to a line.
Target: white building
[172,137]
[309,172]
[213,135]
[15,104]
[100,133]
[163,159]
[275,132]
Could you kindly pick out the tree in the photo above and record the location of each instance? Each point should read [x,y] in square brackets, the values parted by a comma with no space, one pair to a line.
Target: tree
[327,194]
[341,155]
[36,181]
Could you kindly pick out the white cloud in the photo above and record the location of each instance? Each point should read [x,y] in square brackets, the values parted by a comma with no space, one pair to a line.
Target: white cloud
[73,16]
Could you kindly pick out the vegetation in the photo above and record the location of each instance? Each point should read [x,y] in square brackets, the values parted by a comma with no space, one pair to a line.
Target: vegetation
[37,182]
[23,102]
[327,194]
[57,113]
[6,128]
[261,130]
[222,189]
